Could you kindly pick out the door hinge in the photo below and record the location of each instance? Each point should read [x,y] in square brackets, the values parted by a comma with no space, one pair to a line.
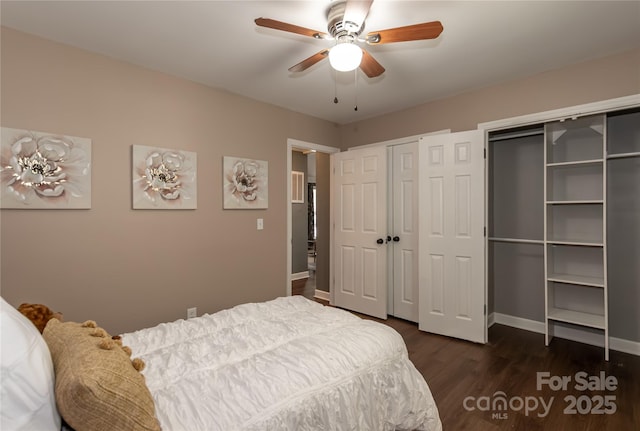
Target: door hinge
[485,231]
[485,153]
[485,309]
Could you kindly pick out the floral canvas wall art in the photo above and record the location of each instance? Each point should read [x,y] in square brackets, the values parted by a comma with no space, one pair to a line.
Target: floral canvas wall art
[40,170]
[245,183]
[164,178]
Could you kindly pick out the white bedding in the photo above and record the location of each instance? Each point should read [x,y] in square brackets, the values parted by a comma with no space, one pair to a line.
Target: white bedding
[287,364]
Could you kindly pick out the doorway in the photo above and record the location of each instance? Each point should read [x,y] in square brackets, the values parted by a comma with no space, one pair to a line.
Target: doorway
[320,246]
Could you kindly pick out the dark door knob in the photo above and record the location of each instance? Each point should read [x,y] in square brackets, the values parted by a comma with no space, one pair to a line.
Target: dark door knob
[380,241]
[396,238]
[388,238]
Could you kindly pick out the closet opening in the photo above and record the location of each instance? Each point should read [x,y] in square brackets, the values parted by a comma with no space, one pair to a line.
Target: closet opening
[563,224]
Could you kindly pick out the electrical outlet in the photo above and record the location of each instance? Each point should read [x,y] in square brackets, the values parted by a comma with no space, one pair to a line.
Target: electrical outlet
[192,312]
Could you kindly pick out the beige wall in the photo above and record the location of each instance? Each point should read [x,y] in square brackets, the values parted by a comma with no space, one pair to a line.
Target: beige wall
[130,269]
[592,81]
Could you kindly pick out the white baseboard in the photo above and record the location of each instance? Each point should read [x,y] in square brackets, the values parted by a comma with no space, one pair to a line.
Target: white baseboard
[322,294]
[300,275]
[573,334]
[626,346]
[518,322]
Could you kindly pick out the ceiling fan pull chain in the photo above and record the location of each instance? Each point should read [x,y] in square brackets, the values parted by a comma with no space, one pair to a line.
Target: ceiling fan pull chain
[335,86]
[355,78]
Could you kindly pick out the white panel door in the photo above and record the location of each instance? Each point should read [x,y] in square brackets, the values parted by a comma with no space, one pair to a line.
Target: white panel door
[404,231]
[451,236]
[359,256]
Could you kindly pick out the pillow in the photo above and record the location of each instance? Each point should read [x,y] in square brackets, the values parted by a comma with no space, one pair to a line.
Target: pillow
[97,386]
[27,399]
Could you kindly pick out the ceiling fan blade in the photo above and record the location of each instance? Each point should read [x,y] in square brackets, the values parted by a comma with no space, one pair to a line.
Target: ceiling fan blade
[426,30]
[356,11]
[370,65]
[279,25]
[308,62]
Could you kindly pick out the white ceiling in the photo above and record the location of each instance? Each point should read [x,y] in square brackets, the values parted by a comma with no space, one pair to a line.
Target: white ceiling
[218,44]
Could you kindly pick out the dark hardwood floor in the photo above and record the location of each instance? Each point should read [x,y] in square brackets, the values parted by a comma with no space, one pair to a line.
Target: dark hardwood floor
[466,380]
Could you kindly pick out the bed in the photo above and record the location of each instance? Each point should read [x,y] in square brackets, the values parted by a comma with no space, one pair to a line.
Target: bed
[285,364]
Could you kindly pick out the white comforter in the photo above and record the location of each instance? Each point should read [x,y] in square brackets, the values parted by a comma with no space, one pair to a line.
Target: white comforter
[287,364]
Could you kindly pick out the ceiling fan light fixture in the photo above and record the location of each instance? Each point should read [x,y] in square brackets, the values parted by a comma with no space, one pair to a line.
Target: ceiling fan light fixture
[345,56]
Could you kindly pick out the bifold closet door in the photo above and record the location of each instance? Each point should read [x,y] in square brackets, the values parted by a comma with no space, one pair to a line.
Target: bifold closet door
[359,205]
[451,235]
[403,232]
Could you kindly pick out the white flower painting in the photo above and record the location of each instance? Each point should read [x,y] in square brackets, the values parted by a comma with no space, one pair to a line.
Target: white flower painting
[41,170]
[245,183]
[164,178]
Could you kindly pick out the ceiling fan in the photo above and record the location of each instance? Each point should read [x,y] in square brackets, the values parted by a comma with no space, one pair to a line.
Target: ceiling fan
[345,25]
